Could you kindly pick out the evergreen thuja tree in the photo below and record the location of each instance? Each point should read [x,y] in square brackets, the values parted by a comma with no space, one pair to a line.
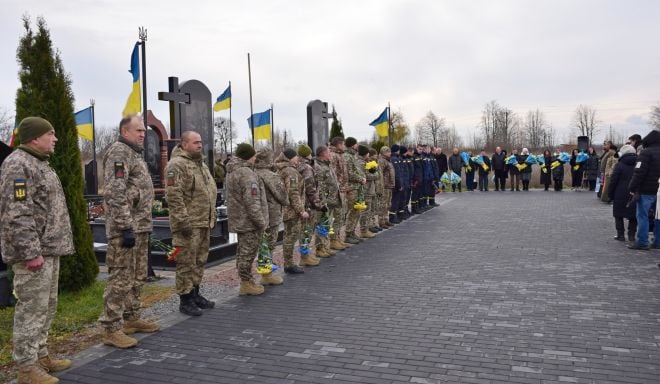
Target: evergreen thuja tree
[336,129]
[45,91]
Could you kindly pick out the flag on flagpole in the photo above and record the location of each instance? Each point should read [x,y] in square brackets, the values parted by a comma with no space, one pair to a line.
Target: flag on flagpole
[382,124]
[133,104]
[84,124]
[261,129]
[223,101]
[14,136]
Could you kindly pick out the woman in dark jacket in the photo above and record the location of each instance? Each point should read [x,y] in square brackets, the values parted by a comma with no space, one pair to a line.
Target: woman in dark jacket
[619,194]
[577,170]
[592,168]
[526,173]
[558,174]
[546,175]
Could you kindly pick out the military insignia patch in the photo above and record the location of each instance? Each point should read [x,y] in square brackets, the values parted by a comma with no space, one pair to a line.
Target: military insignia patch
[119,170]
[255,189]
[294,181]
[170,178]
[20,190]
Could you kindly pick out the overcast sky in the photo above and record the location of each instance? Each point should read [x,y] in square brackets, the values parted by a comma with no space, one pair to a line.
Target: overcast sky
[451,57]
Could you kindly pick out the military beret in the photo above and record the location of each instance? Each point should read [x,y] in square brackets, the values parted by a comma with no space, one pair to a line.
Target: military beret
[395,148]
[245,151]
[350,141]
[304,150]
[32,127]
[362,150]
[289,153]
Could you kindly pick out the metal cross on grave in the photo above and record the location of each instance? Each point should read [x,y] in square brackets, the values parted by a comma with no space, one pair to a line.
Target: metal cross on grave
[175,97]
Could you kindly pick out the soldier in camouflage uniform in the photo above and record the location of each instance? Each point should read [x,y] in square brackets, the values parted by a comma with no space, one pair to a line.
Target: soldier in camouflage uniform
[128,199]
[387,171]
[247,213]
[356,180]
[276,197]
[295,215]
[35,231]
[369,191]
[329,195]
[191,195]
[312,201]
[338,165]
[375,214]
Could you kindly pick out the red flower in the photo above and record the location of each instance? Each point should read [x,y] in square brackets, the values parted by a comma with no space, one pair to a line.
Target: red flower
[171,255]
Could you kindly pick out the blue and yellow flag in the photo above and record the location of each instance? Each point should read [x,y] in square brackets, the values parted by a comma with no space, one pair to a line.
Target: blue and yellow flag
[261,129]
[133,104]
[84,124]
[382,124]
[223,101]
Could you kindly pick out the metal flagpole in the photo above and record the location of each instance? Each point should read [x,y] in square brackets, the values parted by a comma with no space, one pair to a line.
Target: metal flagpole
[142,33]
[251,112]
[272,127]
[94,172]
[389,124]
[231,133]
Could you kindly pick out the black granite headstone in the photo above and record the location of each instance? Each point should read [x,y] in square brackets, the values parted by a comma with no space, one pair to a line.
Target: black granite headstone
[152,156]
[198,115]
[91,186]
[317,124]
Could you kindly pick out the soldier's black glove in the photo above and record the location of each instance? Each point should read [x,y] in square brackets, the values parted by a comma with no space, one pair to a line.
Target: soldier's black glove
[324,209]
[128,238]
[187,231]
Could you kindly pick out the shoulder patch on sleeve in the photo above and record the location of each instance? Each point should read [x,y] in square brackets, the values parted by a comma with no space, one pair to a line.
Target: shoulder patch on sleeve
[20,190]
[170,178]
[119,170]
[255,188]
[638,165]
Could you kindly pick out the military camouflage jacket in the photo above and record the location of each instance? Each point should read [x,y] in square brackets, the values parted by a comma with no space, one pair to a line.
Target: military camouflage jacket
[295,187]
[355,172]
[370,187]
[275,193]
[128,193]
[247,208]
[328,188]
[190,192]
[338,164]
[387,170]
[306,170]
[379,177]
[35,220]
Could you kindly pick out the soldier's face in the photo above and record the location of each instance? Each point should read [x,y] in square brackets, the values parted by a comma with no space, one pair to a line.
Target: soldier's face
[193,144]
[134,131]
[341,146]
[45,143]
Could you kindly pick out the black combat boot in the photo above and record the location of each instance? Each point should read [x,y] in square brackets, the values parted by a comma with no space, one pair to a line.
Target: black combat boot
[200,300]
[188,306]
[394,219]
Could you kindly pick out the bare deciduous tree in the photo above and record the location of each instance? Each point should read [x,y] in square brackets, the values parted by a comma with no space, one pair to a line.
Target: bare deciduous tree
[655,117]
[499,125]
[615,137]
[224,134]
[105,136]
[535,127]
[585,121]
[6,125]
[430,128]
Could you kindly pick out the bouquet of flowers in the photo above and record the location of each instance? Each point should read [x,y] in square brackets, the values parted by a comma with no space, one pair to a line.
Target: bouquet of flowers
[265,258]
[324,227]
[169,250]
[564,157]
[371,166]
[305,239]
[540,159]
[466,161]
[513,160]
[448,178]
[531,159]
[579,159]
[360,205]
[480,161]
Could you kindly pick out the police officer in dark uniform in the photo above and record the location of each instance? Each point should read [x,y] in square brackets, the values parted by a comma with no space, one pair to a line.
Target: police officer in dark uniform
[397,191]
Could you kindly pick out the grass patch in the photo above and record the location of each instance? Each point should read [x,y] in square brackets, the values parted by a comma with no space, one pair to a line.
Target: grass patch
[77,315]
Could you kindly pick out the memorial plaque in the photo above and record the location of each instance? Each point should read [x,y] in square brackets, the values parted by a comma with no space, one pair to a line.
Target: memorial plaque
[198,115]
[317,124]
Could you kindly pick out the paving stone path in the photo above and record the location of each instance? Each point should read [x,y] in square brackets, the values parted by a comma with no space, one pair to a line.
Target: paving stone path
[488,288]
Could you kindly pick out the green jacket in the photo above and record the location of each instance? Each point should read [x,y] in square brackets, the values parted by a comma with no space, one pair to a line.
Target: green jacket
[353,169]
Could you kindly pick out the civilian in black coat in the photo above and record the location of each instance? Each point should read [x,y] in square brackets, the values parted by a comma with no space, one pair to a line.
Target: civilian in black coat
[499,169]
[591,168]
[618,192]
[441,158]
[546,175]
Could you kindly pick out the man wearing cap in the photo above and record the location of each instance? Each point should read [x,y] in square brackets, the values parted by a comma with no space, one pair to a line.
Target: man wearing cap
[408,174]
[191,193]
[295,216]
[356,182]
[328,190]
[643,188]
[276,197]
[369,191]
[35,231]
[247,214]
[387,173]
[374,221]
[397,191]
[128,199]
[338,165]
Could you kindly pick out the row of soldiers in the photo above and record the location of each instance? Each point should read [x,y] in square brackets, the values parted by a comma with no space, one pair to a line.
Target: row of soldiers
[348,187]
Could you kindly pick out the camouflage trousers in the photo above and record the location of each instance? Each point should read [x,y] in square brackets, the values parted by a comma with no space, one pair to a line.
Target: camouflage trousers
[292,232]
[191,259]
[35,309]
[384,206]
[367,217]
[271,236]
[352,215]
[127,273]
[246,251]
[319,241]
[339,214]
